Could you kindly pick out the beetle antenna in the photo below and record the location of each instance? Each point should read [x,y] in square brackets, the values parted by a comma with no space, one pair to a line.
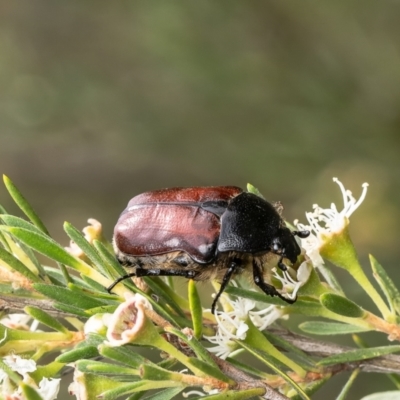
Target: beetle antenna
[225,280]
[301,234]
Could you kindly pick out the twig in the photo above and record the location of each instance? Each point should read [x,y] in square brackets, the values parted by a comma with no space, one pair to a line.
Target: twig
[383,364]
[10,304]
[13,305]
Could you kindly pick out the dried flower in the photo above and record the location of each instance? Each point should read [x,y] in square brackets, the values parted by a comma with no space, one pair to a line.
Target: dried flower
[128,320]
[92,232]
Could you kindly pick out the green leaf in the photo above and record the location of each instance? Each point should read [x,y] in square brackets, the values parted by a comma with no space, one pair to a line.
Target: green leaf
[99,367]
[359,354]
[109,258]
[68,297]
[195,309]
[45,319]
[388,287]
[200,351]
[264,358]
[163,292]
[29,392]
[17,265]
[45,245]
[94,385]
[23,204]
[254,190]
[139,386]
[209,370]
[341,305]
[330,328]
[16,222]
[313,387]
[46,371]
[345,390]
[126,355]
[303,359]
[391,395]
[166,394]
[256,296]
[85,246]
[330,278]
[93,284]
[155,373]
[251,370]
[235,395]
[70,309]
[12,375]
[80,353]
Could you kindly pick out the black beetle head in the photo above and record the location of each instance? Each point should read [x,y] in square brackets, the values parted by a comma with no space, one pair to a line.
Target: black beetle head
[285,243]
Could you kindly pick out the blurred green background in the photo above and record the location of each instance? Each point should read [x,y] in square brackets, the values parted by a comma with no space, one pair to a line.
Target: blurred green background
[102,100]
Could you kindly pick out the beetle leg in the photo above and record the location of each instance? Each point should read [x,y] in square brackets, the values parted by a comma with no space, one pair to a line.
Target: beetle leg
[225,280]
[301,234]
[265,287]
[120,279]
[281,265]
[152,272]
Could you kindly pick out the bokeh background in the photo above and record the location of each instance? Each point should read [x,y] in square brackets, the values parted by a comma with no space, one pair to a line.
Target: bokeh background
[102,100]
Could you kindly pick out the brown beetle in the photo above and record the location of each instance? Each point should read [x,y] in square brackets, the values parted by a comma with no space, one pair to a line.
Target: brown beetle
[203,233]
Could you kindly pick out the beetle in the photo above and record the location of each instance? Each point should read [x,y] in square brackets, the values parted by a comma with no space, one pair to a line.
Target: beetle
[203,233]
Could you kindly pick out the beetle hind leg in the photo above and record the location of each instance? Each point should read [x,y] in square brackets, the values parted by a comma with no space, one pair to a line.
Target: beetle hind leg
[140,272]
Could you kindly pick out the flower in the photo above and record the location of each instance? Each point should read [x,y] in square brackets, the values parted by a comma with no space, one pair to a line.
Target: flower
[97,323]
[128,320]
[19,364]
[328,224]
[289,285]
[92,232]
[198,393]
[48,388]
[78,387]
[19,321]
[233,325]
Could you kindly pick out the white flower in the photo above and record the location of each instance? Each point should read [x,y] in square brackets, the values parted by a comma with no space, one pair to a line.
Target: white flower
[198,393]
[127,320]
[232,324]
[19,321]
[323,222]
[97,323]
[19,364]
[264,318]
[78,388]
[290,286]
[48,388]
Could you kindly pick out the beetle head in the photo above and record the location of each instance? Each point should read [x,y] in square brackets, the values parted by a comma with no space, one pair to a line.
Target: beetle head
[285,243]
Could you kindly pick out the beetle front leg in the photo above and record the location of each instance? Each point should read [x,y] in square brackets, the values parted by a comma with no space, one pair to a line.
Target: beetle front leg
[281,265]
[265,287]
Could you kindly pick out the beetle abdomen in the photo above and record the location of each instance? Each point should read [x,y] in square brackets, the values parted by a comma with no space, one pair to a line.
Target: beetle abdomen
[168,220]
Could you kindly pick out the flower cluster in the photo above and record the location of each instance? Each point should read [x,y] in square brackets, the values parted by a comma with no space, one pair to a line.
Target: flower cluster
[232,325]
[47,388]
[325,222]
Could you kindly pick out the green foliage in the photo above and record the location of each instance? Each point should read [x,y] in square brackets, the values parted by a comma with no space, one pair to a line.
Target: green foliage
[84,322]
